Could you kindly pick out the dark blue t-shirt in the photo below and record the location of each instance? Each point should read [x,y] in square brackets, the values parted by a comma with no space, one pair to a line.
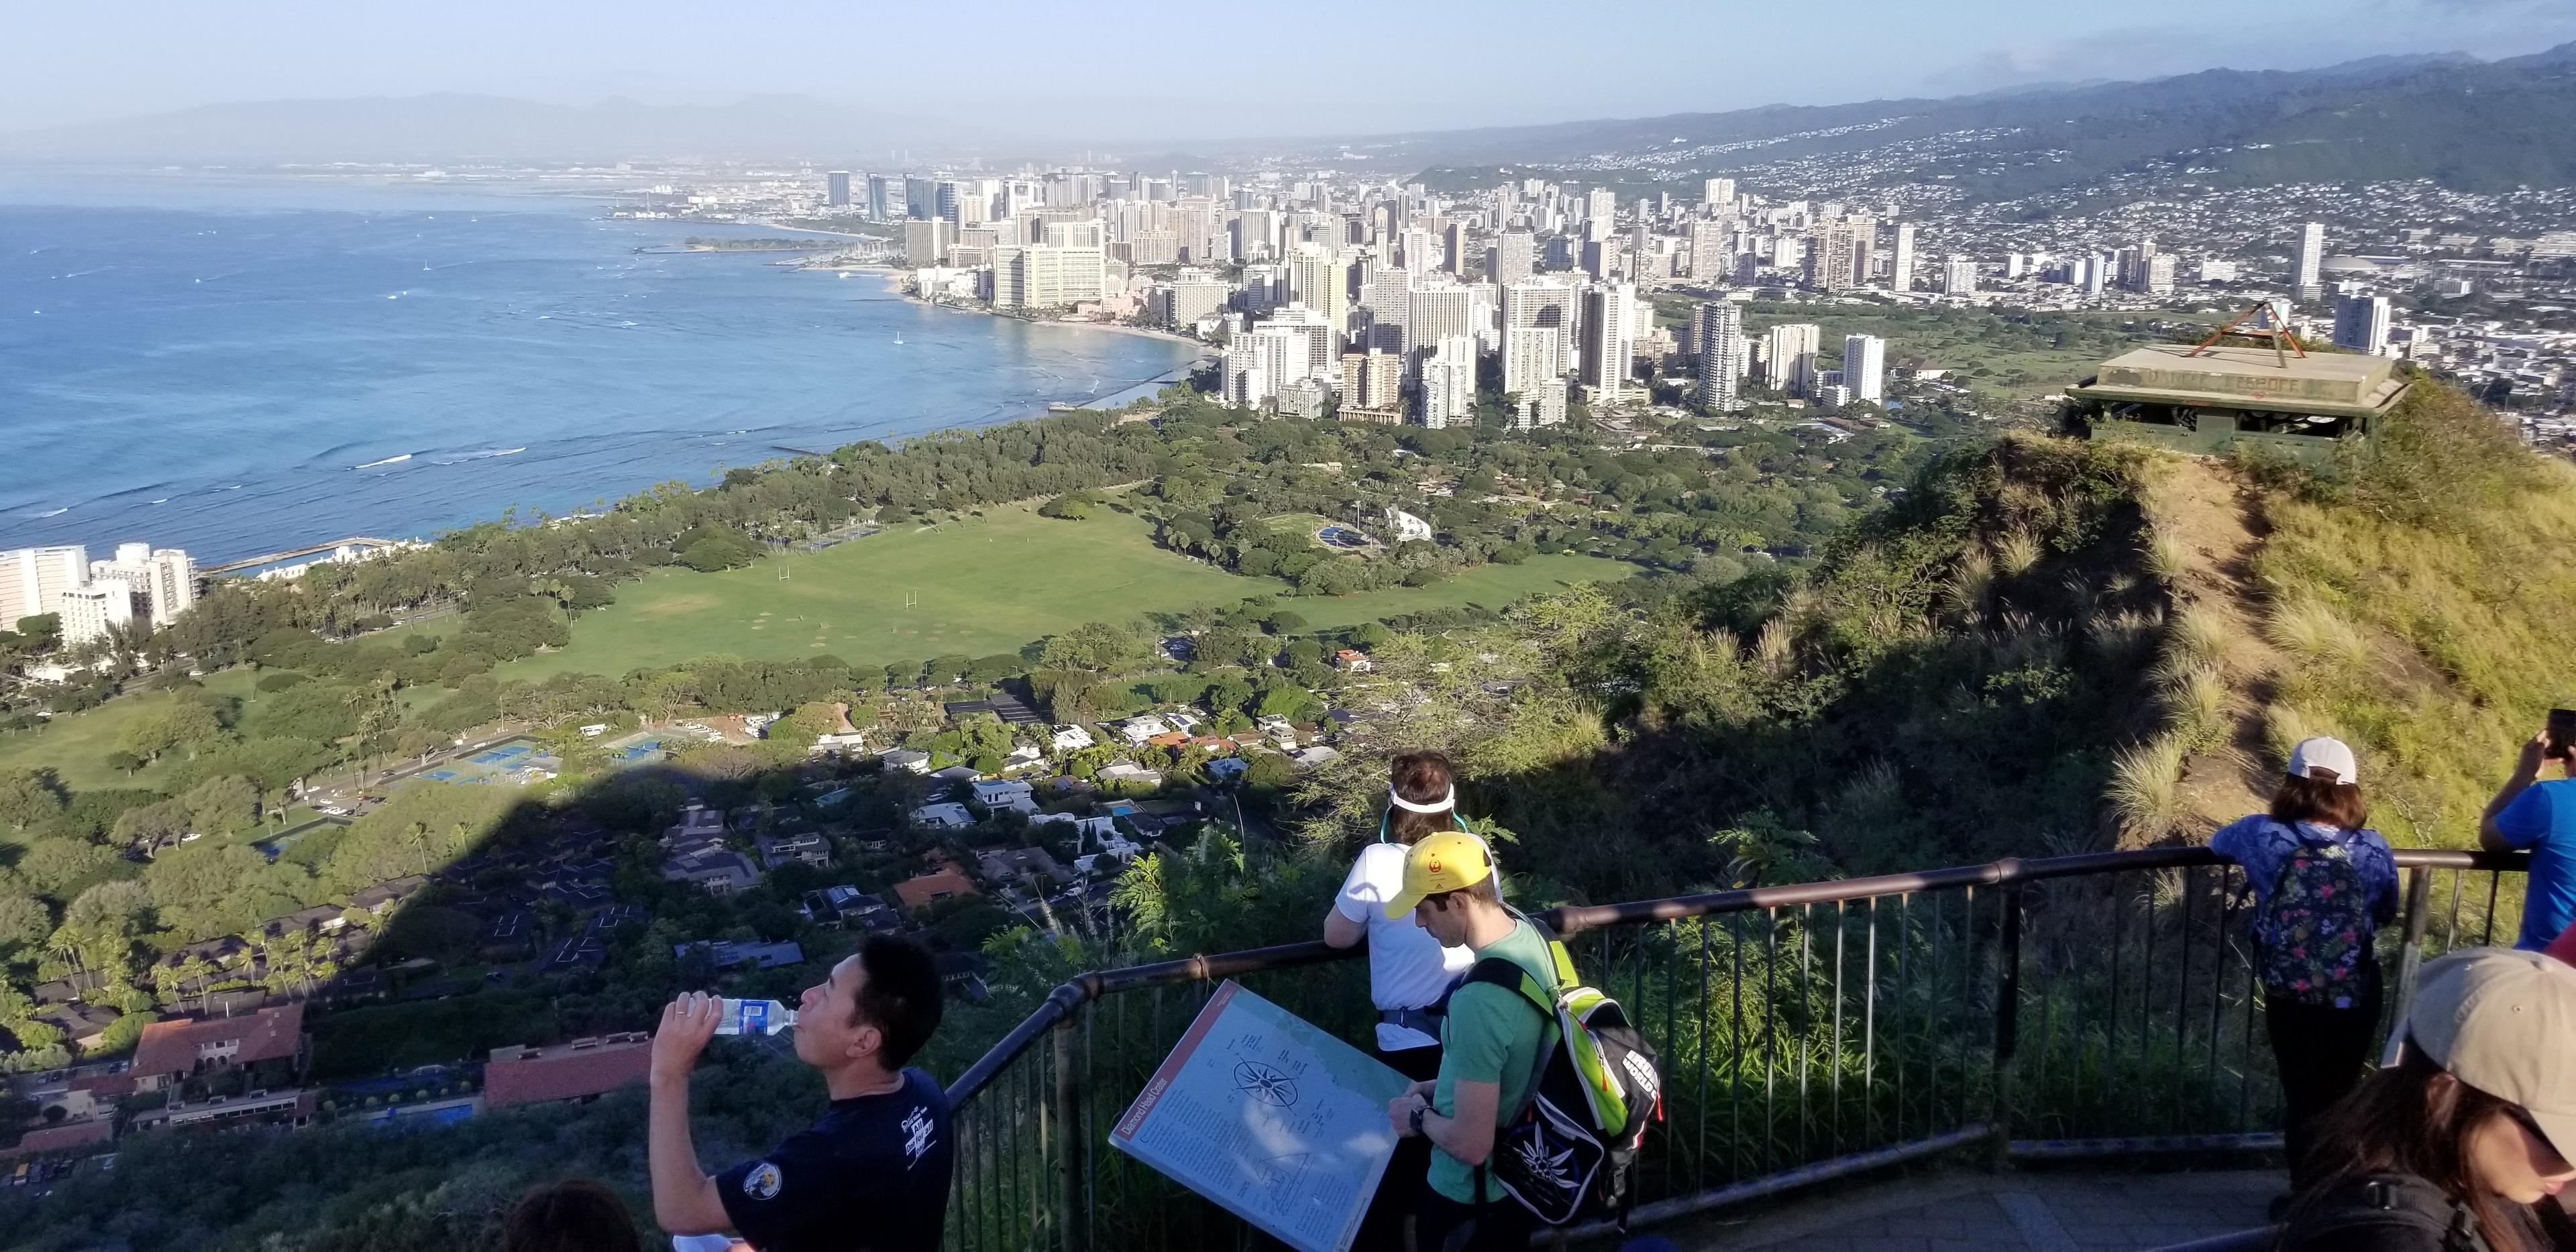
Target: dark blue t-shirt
[872,1174]
[2543,819]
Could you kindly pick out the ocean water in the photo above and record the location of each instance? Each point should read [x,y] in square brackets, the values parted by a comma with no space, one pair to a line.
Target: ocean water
[243,366]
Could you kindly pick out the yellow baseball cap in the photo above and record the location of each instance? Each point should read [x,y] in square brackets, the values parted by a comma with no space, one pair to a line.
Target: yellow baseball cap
[1442,862]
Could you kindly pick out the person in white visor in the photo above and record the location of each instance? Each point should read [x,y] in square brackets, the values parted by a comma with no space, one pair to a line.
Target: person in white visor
[1410,973]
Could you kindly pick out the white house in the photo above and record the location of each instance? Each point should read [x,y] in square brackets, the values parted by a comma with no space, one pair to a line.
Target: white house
[1130,772]
[1143,727]
[849,743]
[1071,739]
[945,815]
[1309,758]
[1094,829]
[906,758]
[1003,793]
[1023,756]
[1182,719]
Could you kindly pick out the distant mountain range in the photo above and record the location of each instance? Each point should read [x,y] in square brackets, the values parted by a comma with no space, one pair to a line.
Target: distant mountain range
[2469,124]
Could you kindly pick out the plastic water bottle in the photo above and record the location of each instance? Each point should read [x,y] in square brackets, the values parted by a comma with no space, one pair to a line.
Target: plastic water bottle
[754,1017]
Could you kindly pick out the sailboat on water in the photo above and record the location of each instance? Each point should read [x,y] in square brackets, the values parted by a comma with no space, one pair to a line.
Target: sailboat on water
[898,338]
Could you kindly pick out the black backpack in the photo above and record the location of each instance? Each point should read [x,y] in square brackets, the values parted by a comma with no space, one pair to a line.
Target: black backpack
[1571,1147]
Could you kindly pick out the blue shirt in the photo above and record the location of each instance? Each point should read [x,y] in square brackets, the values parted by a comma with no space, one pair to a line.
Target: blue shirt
[2542,820]
[872,1174]
[2263,845]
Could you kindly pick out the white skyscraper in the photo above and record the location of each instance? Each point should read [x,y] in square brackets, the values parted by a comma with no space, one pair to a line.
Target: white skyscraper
[1609,340]
[1722,349]
[1864,367]
[1319,278]
[1712,250]
[2312,258]
[1900,275]
[32,580]
[1531,355]
[1790,351]
[1440,310]
[1600,205]
[1717,195]
[1959,276]
[161,583]
[1448,381]
[1547,302]
[1512,257]
[2361,324]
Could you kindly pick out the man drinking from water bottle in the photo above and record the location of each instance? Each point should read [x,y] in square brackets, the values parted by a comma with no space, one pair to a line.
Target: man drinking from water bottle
[873,1172]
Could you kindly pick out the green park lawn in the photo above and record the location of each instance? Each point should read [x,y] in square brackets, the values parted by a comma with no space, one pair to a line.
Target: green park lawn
[76,745]
[979,586]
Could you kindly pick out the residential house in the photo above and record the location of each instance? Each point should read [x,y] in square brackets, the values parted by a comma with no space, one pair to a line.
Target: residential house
[1352,660]
[841,906]
[1228,768]
[944,815]
[1084,828]
[1130,773]
[907,759]
[572,1071]
[1002,793]
[1023,756]
[716,869]
[84,1026]
[1309,758]
[1139,729]
[1071,739]
[697,822]
[805,848]
[320,919]
[385,897]
[956,775]
[922,891]
[839,745]
[271,1042]
[1013,865]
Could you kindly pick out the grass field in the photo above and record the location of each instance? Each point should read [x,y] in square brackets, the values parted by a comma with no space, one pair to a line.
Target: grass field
[983,586]
[75,747]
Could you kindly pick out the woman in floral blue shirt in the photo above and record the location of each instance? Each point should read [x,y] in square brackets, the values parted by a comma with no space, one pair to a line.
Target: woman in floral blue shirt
[2324,883]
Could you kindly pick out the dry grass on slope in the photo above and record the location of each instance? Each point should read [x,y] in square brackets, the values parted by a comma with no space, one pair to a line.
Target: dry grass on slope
[2422,608]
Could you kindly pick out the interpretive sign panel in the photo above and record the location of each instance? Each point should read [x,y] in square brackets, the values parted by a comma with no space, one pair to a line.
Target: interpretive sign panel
[1270,1117]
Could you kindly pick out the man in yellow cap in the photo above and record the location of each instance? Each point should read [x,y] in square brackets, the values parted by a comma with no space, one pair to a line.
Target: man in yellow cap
[1490,1047]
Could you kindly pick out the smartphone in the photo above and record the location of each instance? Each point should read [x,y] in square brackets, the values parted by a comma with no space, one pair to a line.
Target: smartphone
[2562,731]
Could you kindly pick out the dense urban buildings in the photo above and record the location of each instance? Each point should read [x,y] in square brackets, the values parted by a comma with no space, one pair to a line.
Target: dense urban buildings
[140,587]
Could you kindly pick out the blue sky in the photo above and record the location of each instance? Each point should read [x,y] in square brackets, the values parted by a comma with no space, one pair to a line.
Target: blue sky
[1138,69]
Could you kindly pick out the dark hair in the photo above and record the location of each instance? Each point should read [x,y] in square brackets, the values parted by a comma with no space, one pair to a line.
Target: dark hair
[576,1215]
[2321,799]
[2399,1121]
[900,996]
[1422,777]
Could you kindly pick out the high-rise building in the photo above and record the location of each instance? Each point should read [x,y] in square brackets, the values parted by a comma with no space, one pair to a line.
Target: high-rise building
[1839,258]
[1900,270]
[1448,381]
[1717,195]
[925,242]
[1865,366]
[920,197]
[2312,259]
[1372,380]
[882,192]
[2361,323]
[1609,340]
[1790,357]
[1712,254]
[1722,349]
[2160,274]
[1453,252]
[1601,205]
[1552,303]
[1193,296]
[1959,276]
[1512,257]
[1046,276]
[1319,278]
[32,580]
[160,583]
[1531,355]
[2097,269]
[1438,310]
[836,188]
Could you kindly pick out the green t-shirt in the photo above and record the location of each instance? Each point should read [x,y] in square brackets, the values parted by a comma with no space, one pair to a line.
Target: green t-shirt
[1493,1034]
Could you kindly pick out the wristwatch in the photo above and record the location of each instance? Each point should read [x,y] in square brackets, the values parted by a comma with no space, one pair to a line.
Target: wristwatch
[1420,1107]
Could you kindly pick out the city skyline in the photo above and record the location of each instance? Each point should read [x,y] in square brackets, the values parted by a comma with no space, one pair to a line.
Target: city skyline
[69,68]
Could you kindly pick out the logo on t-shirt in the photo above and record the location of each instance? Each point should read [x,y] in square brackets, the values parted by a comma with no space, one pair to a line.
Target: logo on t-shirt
[761,1183]
[916,1126]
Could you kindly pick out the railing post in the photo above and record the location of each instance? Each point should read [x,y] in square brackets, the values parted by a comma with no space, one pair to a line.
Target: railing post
[1068,1135]
[2007,1007]
[2410,956]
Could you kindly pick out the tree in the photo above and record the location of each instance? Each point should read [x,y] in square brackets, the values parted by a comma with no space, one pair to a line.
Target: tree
[24,923]
[28,798]
[222,806]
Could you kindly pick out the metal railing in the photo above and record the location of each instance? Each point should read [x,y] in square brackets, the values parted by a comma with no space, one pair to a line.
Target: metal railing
[2096,1005]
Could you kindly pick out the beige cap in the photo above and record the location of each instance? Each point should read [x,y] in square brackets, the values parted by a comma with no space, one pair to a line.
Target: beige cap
[2504,1021]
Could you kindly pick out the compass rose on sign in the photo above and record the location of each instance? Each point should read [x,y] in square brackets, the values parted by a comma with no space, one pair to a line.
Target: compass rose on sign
[1265,1084]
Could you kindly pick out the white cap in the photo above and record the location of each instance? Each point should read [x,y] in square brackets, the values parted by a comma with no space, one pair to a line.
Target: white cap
[2500,1019]
[2324,754]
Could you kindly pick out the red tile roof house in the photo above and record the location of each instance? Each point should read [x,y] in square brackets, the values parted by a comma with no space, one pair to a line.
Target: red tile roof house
[569,1071]
[179,1048]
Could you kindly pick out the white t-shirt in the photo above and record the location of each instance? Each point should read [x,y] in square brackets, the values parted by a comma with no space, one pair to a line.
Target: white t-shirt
[1408,969]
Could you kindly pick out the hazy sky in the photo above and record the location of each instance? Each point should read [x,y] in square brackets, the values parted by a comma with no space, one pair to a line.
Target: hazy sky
[1137,69]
